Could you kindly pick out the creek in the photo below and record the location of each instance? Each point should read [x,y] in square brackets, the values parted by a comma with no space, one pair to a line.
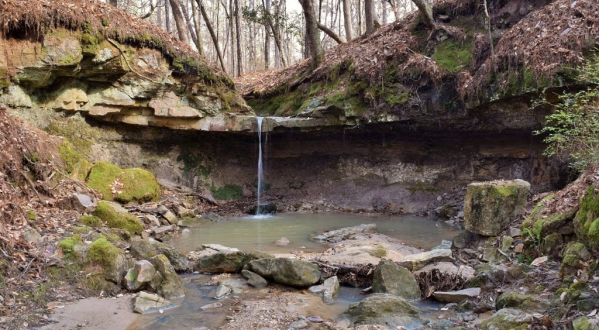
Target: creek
[259,233]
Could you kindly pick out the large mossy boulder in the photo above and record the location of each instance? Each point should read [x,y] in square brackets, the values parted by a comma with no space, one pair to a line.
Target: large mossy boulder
[574,255]
[391,278]
[385,309]
[287,271]
[104,254]
[116,216]
[146,249]
[586,222]
[124,185]
[221,262]
[489,207]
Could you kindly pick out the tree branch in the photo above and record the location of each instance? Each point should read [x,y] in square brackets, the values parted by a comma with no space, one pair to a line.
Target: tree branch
[330,33]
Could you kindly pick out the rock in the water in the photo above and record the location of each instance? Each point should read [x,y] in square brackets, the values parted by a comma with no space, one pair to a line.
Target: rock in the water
[331,290]
[221,291]
[254,280]
[385,309]
[416,261]
[489,207]
[140,275]
[146,249]
[457,296]
[507,318]
[287,271]
[148,302]
[171,286]
[391,278]
[338,235]
[282,241]
[221,262]
[218,247]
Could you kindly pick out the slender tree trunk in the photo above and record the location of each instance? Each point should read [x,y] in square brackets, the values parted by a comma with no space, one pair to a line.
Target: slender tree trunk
[359,17]
[212,34]
[385,11]
[159,20]
[238,32]
[232,33]
[190,27]
[369,14]
[113,3]
[330,33]
[316,51]
[179,22]
[267,35]
[167,16]
[196,24]
[426,12]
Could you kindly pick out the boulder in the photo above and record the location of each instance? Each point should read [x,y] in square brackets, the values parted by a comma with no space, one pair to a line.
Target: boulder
[221,262]
[574,254]
[465,272]
[391,278]
[254,280]
[507,318]
[171,286]
[124,185]
[221,291]
[140,275]
[521,301]
[584,323]
[385,309]
[115,264]
[328,291]
[489,207]
[146,249]
[457,296]
[117,217]
[287,271]
[147,302]
[338,235]
[586,221]
[416,261]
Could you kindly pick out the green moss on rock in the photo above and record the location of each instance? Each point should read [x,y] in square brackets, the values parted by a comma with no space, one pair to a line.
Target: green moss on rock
[586,222]
[67,245]
[91,221]
[227,192]
[102,252]
[124,185]
[116,217]
[453,56]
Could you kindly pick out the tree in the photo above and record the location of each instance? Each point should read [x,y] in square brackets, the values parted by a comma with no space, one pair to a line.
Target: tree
[370,16]
[312,38]
[347,19]
[179,22]
[113,2]
[238,32]
[212,34]
[426,12]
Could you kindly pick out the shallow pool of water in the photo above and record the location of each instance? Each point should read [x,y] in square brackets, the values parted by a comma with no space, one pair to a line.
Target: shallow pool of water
[250,233]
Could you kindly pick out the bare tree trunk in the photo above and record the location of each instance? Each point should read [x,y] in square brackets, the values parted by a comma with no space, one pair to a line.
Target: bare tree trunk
[113,3]
[359,18]
[267,35]
[277,36]
[426,12]
[179,22]
[159,20]
[232,33]
[238,32]
[369,14]
[384,11]
[330,33]
[190,28]
[167,16]
[212,34]
[196,24]
[316,51]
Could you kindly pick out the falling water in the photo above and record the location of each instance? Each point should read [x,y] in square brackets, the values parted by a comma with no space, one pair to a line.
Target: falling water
[259,119]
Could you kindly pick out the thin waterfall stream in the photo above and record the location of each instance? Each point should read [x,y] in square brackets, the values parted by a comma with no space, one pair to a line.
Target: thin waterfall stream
[260,166]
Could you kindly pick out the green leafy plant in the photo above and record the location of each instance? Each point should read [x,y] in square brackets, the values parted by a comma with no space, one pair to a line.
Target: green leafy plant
[572,130]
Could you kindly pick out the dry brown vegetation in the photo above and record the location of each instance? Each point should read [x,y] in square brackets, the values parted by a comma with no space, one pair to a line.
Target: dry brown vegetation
[547,39]
[38,16]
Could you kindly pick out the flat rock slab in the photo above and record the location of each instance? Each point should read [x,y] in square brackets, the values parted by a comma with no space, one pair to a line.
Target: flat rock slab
[416,261]
[456,296]
[338,235]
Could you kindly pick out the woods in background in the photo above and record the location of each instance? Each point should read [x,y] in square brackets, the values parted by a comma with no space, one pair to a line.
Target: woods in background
[246,36]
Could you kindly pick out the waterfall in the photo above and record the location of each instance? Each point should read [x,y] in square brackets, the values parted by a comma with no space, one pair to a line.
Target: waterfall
[260,174]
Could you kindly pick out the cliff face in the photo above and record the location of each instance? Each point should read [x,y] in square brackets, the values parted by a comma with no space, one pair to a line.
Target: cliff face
[84,56]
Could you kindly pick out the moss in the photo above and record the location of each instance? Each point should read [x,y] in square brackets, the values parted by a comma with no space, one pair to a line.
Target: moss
[378,252]
[81,230]
[118,219]
[105,22]
[68,155]
[91,221]
[453,56]
[586,222]
[397,98]
[31,215]
[583,323]
[124,185]
[227,192]
[102,252]
[67,245]
[194,164]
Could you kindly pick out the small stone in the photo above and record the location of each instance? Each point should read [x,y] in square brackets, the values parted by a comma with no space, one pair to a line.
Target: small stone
[457,296]
[519,248]
[299,324]
[282,241]
[514,232]
[222,291]
[539,261]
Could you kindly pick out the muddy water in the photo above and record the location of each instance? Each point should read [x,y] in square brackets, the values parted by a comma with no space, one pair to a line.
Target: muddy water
[259,233]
